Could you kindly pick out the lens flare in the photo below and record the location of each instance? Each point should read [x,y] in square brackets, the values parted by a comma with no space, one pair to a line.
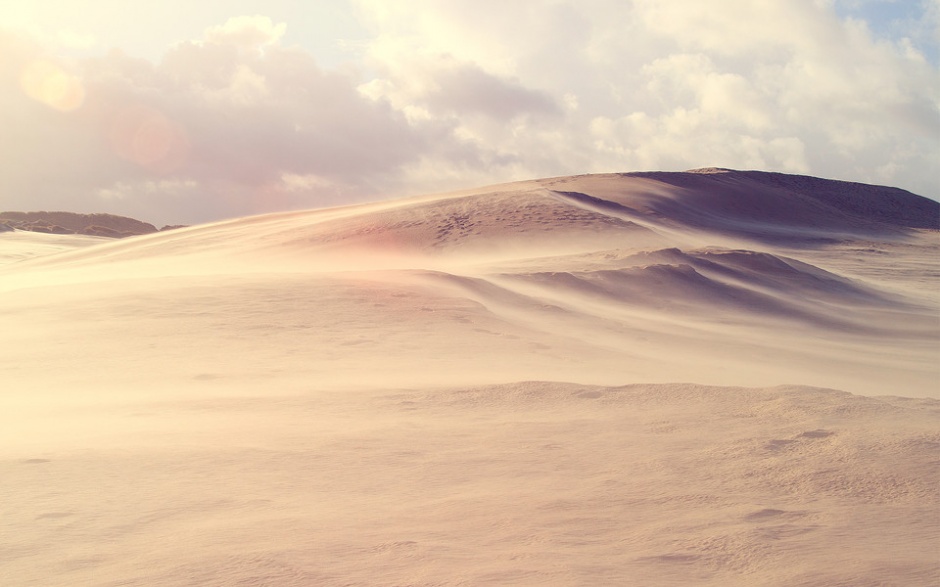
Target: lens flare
[149,138]
[48,83]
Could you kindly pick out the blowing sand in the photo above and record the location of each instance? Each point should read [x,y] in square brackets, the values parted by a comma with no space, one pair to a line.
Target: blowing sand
[598,380]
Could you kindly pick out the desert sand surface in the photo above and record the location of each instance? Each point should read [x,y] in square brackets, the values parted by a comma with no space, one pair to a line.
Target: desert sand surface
[702,378]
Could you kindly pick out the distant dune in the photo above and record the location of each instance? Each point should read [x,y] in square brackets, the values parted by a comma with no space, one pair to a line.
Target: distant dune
[106,225]
[713,377]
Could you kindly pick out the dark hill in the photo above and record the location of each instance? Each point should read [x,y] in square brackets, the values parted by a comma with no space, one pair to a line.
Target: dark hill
[108,225]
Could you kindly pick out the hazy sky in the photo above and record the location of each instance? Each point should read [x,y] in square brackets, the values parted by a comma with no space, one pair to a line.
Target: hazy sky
[182,112]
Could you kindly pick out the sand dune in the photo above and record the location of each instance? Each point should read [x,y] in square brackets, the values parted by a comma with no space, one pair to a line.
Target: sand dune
[594,380]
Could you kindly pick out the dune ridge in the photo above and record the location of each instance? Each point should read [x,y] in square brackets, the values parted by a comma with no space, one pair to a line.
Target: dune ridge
[713,377]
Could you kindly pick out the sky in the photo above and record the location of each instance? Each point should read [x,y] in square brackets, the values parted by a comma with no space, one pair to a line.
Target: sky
[184,112]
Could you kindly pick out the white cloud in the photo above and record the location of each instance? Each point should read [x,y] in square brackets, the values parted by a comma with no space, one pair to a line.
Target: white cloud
[776,84]
[246,31]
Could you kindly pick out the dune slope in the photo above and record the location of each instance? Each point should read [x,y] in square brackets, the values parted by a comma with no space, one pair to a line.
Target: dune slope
[614,379]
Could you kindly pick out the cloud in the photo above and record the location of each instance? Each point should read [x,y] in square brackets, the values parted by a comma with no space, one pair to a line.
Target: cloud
[467,89]
[777,85]
[226,123]
[246,31]
[448,87]
[452,93]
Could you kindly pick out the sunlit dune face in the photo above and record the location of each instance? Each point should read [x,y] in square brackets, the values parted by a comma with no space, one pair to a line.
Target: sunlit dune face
[48,83]
[149,138]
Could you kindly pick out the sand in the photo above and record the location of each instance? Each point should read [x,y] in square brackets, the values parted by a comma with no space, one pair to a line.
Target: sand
[595,380]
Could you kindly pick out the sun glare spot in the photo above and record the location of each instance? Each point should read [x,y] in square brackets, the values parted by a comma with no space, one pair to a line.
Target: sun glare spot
[48,83]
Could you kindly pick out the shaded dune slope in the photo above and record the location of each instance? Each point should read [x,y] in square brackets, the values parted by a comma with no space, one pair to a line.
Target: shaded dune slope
[777,206]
